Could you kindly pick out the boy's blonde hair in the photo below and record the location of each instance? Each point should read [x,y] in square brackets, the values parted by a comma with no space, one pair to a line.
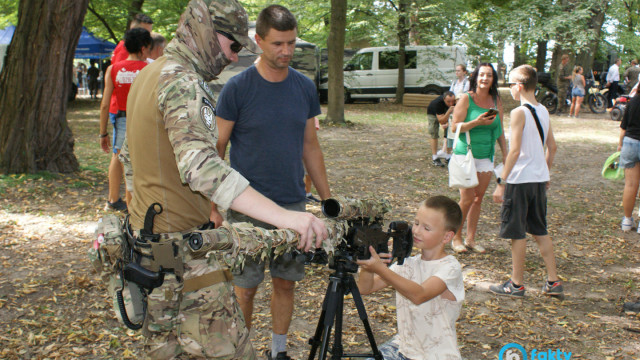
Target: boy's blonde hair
[526,75]
[449,208]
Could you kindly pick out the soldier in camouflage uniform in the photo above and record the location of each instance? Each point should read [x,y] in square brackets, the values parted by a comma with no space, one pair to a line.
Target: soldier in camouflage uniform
[171,138]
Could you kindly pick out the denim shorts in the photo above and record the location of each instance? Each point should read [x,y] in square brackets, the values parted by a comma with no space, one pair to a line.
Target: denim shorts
[119,131]
[577,92]
[285,267]
[630,153]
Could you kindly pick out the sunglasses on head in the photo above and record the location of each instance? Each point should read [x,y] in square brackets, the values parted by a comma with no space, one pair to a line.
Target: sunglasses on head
[235,45]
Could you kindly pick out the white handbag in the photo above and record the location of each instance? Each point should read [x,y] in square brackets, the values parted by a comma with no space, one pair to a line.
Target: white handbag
[462,168]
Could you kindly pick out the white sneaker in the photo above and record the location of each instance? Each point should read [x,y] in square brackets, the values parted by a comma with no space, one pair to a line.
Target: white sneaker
[627,224]
[441,154]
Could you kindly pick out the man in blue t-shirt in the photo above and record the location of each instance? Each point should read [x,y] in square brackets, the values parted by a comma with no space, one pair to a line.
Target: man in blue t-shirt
[267,112]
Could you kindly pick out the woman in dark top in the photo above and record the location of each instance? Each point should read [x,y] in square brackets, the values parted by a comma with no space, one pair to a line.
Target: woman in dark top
[629,147]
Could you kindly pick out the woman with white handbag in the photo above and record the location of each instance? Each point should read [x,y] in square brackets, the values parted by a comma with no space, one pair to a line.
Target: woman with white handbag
[478,115]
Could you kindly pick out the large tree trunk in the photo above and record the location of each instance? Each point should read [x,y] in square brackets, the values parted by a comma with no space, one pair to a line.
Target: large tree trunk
[403,34]
[541,55]
[34,83]
[337,26]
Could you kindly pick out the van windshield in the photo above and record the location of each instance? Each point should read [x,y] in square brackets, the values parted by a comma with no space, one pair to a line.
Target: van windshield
[389,60]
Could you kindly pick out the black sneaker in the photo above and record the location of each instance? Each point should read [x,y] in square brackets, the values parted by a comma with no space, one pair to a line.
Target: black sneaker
[281,355]
[437,162]
[554,290]
[118,205]
[310,198]
[632,307]
[507,289]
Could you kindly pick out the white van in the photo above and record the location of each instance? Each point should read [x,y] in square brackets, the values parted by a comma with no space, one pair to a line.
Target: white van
[372,73]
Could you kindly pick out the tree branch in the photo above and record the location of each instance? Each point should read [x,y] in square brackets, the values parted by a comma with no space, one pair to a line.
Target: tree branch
[394,5]
[104,22]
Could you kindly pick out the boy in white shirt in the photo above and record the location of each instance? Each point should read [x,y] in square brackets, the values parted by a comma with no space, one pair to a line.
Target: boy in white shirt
[526,174]
[429,286]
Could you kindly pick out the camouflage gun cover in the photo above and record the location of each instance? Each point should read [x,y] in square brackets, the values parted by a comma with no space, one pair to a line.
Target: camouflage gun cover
[241,240]
[343,208]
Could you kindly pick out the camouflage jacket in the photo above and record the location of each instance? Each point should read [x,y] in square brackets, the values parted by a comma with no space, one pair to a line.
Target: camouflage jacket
[171,114]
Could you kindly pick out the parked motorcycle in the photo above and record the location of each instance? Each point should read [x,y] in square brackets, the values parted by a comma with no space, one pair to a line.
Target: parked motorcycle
[596,97]
[619,106]
[547,95]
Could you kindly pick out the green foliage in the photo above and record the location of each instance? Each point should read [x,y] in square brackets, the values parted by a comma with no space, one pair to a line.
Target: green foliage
[624,18]
[8,13]
[482,25]
[165,15]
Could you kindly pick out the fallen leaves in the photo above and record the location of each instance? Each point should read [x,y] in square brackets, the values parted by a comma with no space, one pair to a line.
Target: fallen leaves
[52,306]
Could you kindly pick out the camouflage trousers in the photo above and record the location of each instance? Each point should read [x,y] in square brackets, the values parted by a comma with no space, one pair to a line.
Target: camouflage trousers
[206,323]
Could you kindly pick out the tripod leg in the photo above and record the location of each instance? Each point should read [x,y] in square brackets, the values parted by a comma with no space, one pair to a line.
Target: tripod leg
[316,340]
[333,293]
[362,312]
[338,350]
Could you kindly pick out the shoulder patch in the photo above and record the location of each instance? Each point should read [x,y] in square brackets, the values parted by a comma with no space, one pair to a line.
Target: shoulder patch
[205,87]
[208,113]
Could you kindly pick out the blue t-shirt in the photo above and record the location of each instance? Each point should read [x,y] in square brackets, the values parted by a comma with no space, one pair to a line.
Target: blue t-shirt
[268,134]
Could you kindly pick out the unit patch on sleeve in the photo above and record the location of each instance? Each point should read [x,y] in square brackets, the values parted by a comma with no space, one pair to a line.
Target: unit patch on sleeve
[208,113]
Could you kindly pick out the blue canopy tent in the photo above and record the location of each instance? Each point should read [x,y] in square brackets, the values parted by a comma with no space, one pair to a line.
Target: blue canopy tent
[5,38]
[6,34]
[92,47]
[89,46]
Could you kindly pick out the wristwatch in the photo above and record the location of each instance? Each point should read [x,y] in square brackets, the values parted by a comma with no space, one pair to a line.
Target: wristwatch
[103,135]
[499,181]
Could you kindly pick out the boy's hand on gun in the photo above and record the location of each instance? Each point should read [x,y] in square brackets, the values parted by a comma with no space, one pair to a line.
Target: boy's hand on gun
[375,262]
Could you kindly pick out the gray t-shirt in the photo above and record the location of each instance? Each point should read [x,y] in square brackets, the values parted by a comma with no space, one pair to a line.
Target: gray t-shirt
[577,82]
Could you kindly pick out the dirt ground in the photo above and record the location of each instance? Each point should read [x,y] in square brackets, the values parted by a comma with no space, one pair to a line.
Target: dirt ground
[53,306]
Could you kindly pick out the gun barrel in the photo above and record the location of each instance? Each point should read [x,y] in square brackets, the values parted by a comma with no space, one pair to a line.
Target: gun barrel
[346,209]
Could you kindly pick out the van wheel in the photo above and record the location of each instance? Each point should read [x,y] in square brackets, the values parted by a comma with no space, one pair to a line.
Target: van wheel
[323,94]
[347,97]
[432,90]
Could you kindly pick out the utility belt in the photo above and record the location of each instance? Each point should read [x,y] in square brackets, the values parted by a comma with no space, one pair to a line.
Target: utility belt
[166,253]
[133,264]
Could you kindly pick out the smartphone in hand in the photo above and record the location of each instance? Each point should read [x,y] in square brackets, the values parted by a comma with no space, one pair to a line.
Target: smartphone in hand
[492,112]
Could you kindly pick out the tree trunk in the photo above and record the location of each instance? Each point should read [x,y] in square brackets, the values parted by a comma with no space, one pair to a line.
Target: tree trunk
[502,67]
[34,83]
[585,58]
[337,26]
[518,57]
[541,55]
[403,34]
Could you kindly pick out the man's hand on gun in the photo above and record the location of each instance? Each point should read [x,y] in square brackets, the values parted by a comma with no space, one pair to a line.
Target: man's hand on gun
[310,228]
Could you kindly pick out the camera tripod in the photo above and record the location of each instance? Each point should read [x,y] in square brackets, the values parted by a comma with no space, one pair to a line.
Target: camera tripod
[341,282]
